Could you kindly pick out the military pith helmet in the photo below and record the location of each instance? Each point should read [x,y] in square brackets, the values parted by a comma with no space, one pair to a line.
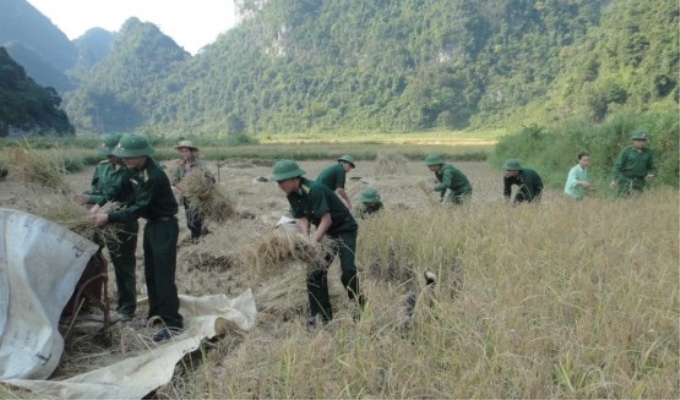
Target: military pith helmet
[109,143]
[348,159]
[131,145]
[285,169]
[369,195]
[512,164]
[433,159]
[639,135]
[186,143]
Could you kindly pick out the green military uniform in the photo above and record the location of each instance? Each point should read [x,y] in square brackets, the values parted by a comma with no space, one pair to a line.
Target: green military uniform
[333,176]
[368,202]
[155,202]
[111,184]
[632,167]
[451,178]
[311,201]
[529,183]
[194,219]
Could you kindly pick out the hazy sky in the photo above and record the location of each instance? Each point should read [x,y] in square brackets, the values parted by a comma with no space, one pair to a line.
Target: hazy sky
[191,24]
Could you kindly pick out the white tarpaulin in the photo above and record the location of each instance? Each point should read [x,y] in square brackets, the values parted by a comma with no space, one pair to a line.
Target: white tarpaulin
[205,317]
[40,265]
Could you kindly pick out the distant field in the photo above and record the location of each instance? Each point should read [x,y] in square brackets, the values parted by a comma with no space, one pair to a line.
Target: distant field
[451,138]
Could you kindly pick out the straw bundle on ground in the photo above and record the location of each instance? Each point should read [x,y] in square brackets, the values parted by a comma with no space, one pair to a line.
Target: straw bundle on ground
[46,169]
[278,249]
[207,199]
[76,217]
[390,164]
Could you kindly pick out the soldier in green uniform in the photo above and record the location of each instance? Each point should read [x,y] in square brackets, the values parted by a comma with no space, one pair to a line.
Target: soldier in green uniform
[530,184]
[155,202]
[111,183]
[312,203]
[449,178]
[369,202]
[191,162]
[633,167]
[335,175]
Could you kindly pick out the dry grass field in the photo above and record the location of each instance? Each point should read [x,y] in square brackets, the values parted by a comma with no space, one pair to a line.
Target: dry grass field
[554,300]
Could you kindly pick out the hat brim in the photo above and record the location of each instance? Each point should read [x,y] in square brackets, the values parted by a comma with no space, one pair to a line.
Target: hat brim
[186,147]
[348,162]
[129,153]
[286,175]
[105,151]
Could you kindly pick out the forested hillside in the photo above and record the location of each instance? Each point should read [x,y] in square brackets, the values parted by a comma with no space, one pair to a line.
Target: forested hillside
[25,106]
[388,65]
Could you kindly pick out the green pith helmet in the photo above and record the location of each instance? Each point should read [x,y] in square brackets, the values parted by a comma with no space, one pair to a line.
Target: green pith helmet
[369,195]
[109,143]
[433,159]
[348,159]
[639,135]
[285,169]
[512,164]
[131,145]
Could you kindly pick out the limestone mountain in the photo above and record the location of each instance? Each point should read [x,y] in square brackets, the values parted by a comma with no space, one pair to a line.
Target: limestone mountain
[26,107]
[36,43]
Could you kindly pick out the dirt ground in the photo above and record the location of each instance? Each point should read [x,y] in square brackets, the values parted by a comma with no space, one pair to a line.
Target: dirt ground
[211,266]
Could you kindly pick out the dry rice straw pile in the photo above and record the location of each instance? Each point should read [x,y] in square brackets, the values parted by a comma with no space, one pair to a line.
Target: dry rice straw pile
[278,249]
[390,164]
[76,217]
[206,198]
[46,169]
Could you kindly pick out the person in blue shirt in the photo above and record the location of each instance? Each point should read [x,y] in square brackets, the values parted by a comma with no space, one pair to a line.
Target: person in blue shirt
[577,181]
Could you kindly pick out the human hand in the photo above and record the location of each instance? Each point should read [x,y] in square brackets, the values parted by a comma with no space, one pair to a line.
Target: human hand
[649,177]
[612,184]
[100,220]
[94,209]
[80,198]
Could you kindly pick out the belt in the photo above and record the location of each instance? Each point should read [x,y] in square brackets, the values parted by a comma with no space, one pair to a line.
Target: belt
[165,218]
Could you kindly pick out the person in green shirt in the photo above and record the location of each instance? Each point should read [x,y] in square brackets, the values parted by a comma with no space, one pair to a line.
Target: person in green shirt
[155,202]
[633,167]
[111,183]
[335,175]
[577,181]
[313,203]
[450,179]
[530,184]
[191,162]
[369,202]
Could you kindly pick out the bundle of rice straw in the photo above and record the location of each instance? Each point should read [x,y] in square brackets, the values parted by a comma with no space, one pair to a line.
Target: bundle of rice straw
[278,249]
[75,217]
[206,198]
[390,164]
[46,169]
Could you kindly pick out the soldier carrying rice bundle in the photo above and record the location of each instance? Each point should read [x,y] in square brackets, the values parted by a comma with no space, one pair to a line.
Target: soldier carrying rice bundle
[195,183]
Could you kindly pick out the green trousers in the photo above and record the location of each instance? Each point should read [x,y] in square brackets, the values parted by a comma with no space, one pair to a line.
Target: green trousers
[317,279]
[122,253]
[160,263]
[627,186]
